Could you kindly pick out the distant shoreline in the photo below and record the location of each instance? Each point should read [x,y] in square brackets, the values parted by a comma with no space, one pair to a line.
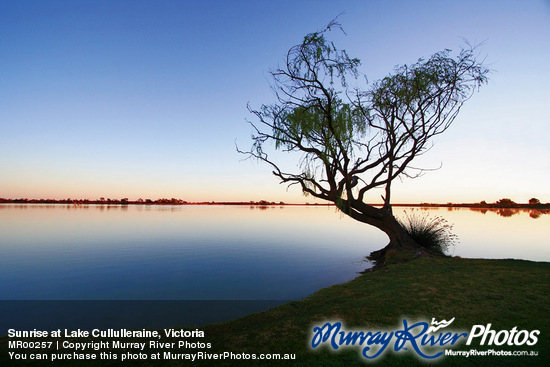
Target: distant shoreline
[481,205]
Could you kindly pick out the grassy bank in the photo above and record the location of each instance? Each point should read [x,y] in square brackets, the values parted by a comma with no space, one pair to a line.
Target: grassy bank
[505,293]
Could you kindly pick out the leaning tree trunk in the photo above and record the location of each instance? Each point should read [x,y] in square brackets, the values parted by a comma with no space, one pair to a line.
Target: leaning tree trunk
[383,219]
[399,240]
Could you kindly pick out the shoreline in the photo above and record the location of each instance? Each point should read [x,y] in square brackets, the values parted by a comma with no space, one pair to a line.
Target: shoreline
[262,203]
[505,293]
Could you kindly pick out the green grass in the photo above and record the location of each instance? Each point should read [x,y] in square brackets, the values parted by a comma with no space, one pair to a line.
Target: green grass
[505,293]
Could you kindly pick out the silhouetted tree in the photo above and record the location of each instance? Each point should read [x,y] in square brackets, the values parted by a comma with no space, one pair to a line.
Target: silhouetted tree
[505,203]
[353,140]
[534,201]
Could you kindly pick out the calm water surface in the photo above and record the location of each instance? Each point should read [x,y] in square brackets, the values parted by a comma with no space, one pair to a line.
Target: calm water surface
[59,252]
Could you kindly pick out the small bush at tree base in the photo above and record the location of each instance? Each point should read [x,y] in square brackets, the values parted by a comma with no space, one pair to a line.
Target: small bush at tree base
[433,233]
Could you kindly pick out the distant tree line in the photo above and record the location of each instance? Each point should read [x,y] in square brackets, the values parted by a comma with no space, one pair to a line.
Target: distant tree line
[140,201]
[533,203]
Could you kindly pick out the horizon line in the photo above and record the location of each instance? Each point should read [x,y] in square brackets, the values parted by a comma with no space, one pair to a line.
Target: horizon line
[503,203]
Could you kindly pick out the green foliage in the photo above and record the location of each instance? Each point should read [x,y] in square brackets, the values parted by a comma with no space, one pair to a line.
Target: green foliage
[370,132]
[433,233]
[311,116]
[311,125]
[441,76]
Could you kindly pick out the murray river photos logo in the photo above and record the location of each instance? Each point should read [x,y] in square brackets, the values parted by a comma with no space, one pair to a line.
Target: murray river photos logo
[427,341]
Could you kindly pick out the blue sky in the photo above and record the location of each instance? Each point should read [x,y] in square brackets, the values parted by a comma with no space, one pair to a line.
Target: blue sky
[147,98]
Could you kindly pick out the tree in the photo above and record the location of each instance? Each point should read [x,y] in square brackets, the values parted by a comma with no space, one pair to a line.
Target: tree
[534,201]
[505,203]
[352,140]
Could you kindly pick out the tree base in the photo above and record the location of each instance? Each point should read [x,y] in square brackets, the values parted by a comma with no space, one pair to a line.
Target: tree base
[397,254]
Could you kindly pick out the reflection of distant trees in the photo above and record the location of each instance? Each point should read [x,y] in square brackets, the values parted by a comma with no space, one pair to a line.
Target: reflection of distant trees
[479,210]
[507,208]
[536,213]
[507,212]
[261,207]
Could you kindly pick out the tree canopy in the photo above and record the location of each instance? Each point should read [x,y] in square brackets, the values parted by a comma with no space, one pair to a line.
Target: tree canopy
[353,140]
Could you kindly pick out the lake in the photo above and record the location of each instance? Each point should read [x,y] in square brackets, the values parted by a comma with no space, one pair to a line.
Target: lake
[229,253]
[63,252]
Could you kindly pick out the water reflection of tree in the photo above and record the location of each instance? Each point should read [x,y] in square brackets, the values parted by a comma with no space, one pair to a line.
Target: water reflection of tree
[536,213]
[507,212]
[480,210]
[260,207]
